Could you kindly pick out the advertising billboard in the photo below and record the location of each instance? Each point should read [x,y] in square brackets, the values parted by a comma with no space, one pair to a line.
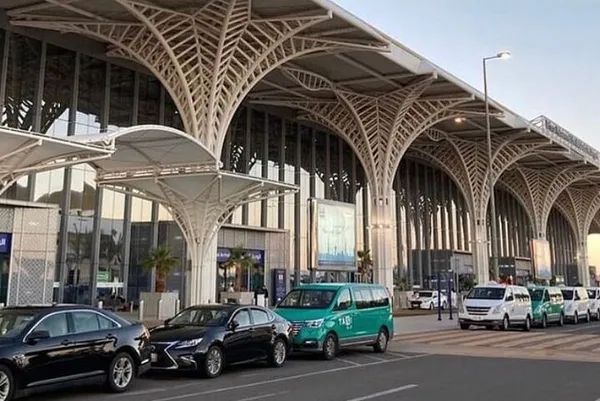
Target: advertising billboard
[540,257]
[333,235]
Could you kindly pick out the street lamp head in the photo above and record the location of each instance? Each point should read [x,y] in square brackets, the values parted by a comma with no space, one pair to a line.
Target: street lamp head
[504,55]
[459,120]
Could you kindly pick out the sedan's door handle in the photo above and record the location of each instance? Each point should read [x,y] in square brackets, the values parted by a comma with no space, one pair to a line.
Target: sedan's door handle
[66,342]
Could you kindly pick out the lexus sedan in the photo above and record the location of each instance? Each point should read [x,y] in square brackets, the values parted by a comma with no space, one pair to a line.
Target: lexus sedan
[209,337]
[62,345]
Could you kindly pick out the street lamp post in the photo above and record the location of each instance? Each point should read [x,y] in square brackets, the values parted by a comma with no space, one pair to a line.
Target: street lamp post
[494,234]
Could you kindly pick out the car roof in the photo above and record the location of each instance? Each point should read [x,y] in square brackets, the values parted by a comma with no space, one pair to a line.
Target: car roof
[335,286]
[48,307]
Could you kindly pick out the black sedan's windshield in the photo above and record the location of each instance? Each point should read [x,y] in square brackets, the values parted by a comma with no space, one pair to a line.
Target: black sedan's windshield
[201,317]
[308,299]
[494,293]
[12,322]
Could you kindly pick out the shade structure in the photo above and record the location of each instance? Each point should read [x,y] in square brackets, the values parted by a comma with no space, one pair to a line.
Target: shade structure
[25,152]
[164,165]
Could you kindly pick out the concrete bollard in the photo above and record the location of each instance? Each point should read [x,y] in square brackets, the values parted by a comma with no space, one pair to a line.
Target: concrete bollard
[100,304]
[159,310]
[177,306]
[131,307]
[141,311]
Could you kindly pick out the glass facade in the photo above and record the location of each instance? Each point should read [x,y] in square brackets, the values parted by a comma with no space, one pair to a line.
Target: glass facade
[62,92]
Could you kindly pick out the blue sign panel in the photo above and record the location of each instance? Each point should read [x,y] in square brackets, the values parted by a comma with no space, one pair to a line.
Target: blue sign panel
[257,255]
[5,241]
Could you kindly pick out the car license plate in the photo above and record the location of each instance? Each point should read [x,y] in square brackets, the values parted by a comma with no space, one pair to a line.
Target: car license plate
[477,318]
[153,357]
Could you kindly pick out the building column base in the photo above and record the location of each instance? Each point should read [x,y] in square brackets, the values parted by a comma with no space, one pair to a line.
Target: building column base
[383,242]
[202,277]
[481,255]
[583,270]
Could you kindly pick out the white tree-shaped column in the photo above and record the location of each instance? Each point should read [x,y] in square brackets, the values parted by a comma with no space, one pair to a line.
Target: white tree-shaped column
[200,202]
[379,128]
[207,56]
[466,161]
[580,206]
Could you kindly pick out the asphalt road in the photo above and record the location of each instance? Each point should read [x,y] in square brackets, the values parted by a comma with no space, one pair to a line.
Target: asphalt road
[362,376]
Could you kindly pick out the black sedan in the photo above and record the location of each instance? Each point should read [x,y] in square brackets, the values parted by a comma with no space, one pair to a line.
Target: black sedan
[206,338]
[54,346]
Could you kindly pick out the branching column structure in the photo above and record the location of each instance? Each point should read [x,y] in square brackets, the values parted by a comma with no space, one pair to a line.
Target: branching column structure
[538,189]
[466,161]
[208,57]
[200,203]
[379,128]
[580,206]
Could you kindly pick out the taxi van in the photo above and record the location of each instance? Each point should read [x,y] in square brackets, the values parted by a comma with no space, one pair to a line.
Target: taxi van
[594,296]
[548,305]
[577,304]
[328,316]
[496,305]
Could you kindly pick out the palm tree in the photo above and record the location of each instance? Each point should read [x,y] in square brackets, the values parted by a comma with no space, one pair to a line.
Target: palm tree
[364,263]
[160,258]
[242,262]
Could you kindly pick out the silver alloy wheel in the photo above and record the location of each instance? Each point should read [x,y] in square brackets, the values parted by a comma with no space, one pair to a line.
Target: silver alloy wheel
[382,340]
[214,362]
[122,372]
[4,386]
[279,352]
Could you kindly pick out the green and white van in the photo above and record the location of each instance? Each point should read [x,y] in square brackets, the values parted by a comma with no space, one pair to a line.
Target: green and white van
[328,316]
[548,305]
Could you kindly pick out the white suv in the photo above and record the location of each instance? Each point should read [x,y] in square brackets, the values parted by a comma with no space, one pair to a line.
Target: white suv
[496,305]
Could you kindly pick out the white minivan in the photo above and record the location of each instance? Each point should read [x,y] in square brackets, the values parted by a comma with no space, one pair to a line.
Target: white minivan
[594,295]
[577,304]
[496,305]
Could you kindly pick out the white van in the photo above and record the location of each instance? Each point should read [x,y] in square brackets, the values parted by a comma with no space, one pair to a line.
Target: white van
[577,304]
[494,305]
[594,296]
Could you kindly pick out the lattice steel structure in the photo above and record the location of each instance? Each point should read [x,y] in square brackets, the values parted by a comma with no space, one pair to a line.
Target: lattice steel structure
[165,165]
[24,152]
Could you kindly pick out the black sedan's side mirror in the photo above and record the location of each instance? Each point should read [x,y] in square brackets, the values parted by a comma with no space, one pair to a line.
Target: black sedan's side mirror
[234,324]
[36,336]
[167,321]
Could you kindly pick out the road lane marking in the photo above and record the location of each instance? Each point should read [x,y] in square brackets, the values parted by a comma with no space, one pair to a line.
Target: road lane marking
[347,361]
[384,393]
[277,380]
[262,397]
[374,358]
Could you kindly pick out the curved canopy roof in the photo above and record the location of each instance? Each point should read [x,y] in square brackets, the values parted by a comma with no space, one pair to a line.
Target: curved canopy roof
[149,147]
[24,152]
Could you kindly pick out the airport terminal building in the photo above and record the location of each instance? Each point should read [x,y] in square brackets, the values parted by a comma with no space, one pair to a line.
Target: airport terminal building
[59,87]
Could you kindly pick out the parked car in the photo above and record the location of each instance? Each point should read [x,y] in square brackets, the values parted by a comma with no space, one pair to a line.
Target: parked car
[548,306]
[577,304]
[427,299]
[496,304]
[329,316]
[205,338]
[594,295]
[58,345]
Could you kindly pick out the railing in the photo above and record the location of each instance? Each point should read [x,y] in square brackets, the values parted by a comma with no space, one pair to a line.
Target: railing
[563,137]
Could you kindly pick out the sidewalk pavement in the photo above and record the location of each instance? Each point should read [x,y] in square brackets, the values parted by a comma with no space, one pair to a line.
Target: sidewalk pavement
[403,324]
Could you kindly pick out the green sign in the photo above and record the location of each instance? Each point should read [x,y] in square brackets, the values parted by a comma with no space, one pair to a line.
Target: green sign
[102,276]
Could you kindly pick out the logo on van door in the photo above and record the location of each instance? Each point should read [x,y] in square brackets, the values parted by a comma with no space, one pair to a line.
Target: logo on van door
[345,321]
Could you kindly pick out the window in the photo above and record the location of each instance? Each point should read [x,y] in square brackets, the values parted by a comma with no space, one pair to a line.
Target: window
[56,325]
[546,297]
[364,298]
[380,297]
[260,316]
[344,298]
[308,299]
[85,322]
[242,318]
[494,293]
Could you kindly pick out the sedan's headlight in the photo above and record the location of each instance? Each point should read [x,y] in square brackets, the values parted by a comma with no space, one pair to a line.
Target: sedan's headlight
[314,324]
[188,343]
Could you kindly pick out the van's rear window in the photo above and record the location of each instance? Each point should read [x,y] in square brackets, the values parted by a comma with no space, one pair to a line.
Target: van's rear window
[487,293]
[308,299]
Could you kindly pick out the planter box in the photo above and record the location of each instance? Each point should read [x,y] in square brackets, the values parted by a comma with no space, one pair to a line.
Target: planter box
[168,305]
[240,298]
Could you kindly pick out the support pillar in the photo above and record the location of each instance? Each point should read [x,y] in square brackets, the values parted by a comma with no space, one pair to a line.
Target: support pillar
[583,262]
[203,274]
[480,251]
[382,233]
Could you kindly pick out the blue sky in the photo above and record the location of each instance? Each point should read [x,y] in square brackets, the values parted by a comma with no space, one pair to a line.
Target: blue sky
[555,45]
